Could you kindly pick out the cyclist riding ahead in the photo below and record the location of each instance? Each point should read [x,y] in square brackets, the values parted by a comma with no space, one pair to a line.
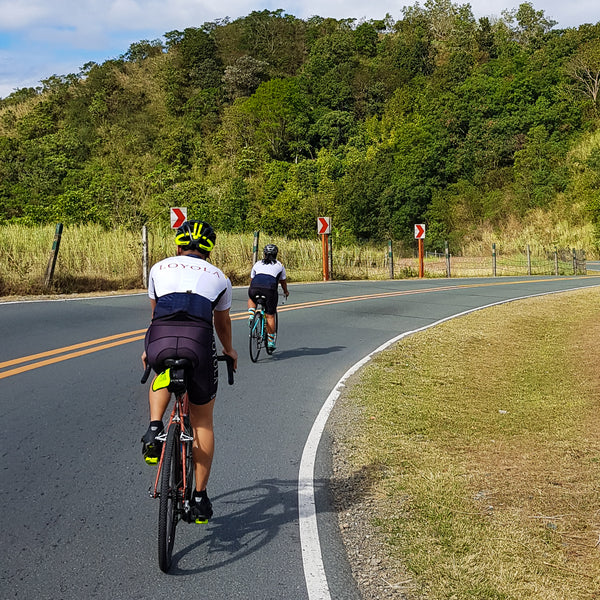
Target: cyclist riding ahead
[266,275]
[187,295]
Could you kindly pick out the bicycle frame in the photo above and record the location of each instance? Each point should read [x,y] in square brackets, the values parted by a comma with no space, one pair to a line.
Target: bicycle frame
[178,415]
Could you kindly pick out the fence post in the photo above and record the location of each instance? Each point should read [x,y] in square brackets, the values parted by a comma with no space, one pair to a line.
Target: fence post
[53,254]
[447,251]
[528,260]
[391,259]
[556,262]
[583,259]
[145,256]
[574,262]
[493,260]
[255,247]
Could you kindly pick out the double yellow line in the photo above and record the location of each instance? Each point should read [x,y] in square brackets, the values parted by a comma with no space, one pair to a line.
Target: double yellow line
[50,357]
[35,361]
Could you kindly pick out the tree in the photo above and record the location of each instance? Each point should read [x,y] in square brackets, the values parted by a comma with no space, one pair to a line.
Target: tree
[528,24]
[243,77]
[584,69]
[278,113]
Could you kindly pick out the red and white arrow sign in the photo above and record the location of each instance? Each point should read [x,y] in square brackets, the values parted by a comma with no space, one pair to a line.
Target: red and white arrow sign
[419,232]
[323,225]
[178,217]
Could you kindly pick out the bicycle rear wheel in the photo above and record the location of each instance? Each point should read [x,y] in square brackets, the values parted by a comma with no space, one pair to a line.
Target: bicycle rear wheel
[168,511]
[256,336]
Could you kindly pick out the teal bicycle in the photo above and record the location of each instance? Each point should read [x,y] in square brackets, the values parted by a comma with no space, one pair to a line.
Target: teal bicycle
[258,330]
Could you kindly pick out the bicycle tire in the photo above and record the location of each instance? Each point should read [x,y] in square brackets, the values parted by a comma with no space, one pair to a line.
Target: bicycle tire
[168,513]
[256,336]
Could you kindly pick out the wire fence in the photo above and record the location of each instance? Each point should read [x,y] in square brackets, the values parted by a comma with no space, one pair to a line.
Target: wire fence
[384,265]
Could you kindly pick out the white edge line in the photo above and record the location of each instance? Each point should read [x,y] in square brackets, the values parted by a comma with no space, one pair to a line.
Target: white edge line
[312,559]
[73,299]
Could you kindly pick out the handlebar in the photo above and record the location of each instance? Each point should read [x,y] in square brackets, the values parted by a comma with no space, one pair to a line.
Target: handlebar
[146,373]
[226,358]
[230,371]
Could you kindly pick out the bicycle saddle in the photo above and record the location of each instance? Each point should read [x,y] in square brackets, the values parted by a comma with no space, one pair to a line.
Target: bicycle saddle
[173,376]
[177,363]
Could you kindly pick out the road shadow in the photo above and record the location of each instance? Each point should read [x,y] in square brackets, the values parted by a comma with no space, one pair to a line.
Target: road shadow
[304,351]
[249,518]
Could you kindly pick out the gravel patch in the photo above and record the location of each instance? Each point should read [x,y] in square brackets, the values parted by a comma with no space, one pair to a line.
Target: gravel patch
[357,504]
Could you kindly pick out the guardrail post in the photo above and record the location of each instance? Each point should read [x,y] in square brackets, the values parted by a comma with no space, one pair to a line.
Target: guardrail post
[391,259]
[528,260]
[493,260]
[574,262]
[556,262]
[447,252]
[53,254]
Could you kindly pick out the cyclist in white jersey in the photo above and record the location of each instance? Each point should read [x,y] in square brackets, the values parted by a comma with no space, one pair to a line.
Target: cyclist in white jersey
[265,278]
[187,295]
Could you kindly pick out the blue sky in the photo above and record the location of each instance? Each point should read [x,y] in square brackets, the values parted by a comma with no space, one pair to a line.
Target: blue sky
[41,38]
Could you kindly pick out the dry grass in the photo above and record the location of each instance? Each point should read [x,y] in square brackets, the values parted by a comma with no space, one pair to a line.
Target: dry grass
[485,435]
[92,259]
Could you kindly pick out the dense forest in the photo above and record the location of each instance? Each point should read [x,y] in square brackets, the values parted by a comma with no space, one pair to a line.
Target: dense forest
[268,121]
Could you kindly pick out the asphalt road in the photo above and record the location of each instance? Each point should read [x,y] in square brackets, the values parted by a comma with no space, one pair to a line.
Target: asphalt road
[76,519]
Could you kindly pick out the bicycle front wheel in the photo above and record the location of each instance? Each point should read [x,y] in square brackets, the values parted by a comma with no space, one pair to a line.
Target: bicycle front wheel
[256,335]
[170,483]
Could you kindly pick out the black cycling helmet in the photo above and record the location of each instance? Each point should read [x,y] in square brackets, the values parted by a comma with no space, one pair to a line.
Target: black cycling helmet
[270,252]
[196,235]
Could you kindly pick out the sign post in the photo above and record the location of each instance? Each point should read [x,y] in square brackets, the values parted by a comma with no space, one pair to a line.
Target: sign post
[178,216]
[420,236]
[324,229]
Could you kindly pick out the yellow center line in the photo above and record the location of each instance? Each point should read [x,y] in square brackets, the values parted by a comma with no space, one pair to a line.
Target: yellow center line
[16,361]
[56,359]
[119,339]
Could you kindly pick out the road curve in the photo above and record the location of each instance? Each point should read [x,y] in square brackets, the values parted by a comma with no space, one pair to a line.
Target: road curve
[76,517]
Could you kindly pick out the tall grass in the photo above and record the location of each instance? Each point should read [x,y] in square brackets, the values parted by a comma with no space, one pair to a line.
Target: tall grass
[92,259]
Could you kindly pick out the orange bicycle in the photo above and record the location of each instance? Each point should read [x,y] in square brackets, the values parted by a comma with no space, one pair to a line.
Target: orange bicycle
[173,485]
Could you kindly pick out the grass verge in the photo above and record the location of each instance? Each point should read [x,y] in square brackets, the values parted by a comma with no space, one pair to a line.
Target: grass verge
[476,449]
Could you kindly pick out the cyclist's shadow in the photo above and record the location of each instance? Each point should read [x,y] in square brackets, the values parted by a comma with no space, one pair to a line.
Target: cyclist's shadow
[295,352]
[249,518]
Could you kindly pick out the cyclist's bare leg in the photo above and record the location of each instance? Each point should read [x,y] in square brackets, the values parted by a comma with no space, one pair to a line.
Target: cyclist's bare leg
[270,323]
[251,303]
[201,420]
[158,401]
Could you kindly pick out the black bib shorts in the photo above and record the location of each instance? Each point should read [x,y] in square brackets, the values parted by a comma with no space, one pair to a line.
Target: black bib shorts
[193,340]
[269,293]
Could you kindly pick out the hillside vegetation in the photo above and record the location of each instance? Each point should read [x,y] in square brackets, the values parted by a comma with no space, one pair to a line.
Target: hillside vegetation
[474,127]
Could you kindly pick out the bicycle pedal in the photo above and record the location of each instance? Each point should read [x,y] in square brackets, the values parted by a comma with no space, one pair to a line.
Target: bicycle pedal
[151,460]
[201,521]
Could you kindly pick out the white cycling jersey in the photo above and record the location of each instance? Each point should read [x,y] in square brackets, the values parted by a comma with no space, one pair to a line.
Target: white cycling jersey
[190,274]
[268,275]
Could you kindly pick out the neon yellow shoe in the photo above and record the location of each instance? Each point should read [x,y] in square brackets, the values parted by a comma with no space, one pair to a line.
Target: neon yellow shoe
[151,447]
[201,508]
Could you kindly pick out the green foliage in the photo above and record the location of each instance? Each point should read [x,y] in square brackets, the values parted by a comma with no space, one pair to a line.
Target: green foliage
[269,121]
